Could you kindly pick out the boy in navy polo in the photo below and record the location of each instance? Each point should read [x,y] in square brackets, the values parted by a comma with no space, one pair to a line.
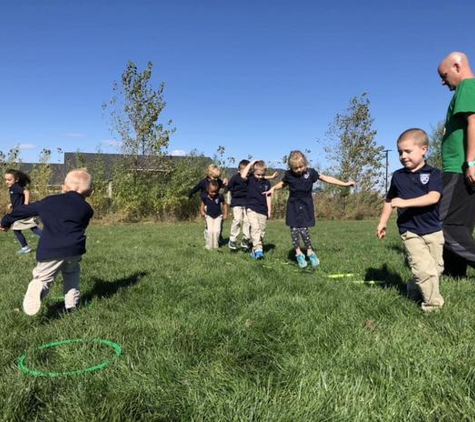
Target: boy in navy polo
[63,241]
[211,210]
[258,205]
[415,191]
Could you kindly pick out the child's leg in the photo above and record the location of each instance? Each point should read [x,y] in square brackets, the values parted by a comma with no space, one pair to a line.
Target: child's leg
[262,221]
[71,273]
[217,231]
[236,224]
[36,230]
[21,238]
[43,276]
[435,243]
[246,227]
[255,230]
[423,268]
[294,234]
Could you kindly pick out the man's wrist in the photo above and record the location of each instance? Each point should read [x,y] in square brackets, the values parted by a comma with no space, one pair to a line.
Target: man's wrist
[470,163]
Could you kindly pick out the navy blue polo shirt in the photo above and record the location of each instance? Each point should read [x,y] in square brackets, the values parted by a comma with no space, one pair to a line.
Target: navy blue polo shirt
[213,205]
[238,188]
[255,200]
[17,195]
[65,218]
[408,185]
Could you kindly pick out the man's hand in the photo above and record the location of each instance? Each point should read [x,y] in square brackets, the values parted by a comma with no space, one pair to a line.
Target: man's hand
[470,174]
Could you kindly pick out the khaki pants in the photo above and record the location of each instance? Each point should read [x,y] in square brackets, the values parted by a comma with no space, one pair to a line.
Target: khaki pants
[424,254]
[213,230]
[258,228]
[239,219]
[46,272]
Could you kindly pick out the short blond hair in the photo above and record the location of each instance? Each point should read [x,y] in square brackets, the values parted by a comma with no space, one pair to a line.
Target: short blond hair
[297,157]
[78,180]
[418,136]
[260,164]
[213,171]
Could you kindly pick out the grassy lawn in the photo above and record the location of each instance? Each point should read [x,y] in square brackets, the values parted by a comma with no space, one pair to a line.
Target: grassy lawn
[215,336]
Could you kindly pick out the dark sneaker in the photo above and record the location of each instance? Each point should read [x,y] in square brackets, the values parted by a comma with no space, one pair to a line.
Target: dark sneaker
[232,245]
[245,244]
[301,260]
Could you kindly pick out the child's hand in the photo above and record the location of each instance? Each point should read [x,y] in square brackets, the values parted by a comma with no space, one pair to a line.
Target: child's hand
[9,207]
[225,181]
[225,216]
[269,214]
[4,229]
[397,203]
[274,175]
[381,231]
[203,215]
[269,192]
[351,183]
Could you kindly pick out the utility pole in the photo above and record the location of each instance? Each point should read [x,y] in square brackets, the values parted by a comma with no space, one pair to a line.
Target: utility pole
[387,165]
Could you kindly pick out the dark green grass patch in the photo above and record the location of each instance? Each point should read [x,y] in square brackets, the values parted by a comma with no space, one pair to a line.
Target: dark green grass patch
[216,336]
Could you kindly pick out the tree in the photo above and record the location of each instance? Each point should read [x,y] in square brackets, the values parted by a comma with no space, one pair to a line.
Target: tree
[351,146]
[135,110]
[434,156]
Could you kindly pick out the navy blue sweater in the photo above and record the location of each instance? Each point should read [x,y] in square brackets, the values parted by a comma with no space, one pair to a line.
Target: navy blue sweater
[65,218]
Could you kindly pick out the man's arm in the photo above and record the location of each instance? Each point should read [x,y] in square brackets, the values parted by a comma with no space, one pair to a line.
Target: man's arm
[470,172]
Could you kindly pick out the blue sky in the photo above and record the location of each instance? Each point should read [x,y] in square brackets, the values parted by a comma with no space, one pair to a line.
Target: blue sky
[259,77]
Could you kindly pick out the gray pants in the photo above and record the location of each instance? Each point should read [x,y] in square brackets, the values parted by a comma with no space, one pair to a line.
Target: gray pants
[46,272]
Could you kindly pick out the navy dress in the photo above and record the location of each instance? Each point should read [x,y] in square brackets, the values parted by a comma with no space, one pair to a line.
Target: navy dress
[300,209]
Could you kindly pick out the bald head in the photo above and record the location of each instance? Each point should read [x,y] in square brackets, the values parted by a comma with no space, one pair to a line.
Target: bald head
[454,69]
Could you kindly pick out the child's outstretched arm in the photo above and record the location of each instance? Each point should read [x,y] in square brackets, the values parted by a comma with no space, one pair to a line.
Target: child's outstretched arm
[271,191]
[202,210]
[430,198]
[334,181]
[271,176]
[383,220]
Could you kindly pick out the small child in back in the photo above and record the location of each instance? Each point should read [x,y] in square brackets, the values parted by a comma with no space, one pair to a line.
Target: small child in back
[212,211]
[415,191]
[300,213]
[63,241]
[258,205]
[17,182]
[213,172]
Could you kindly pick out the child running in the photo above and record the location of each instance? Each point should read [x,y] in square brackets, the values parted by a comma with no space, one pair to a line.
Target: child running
[213,172]
[17,181]
[258,205]
[212,210]
[63,241]
[415,191]
[300,213]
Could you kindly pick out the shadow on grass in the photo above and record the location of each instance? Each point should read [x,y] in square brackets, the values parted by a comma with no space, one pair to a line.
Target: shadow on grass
[268,247]
[389,277]
[101,289]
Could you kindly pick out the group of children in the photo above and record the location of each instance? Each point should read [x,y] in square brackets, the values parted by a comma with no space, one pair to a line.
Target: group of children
[251,192]
[415,192]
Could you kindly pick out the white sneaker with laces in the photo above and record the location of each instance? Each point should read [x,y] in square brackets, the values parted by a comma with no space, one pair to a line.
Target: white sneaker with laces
[32,299]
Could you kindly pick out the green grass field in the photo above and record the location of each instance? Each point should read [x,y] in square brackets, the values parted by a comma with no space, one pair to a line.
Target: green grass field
[215,336]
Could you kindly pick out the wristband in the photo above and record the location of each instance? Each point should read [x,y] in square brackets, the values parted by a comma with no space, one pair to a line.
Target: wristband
[471,163]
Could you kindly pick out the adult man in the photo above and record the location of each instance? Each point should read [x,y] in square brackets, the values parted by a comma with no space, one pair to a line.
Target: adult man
[457,208]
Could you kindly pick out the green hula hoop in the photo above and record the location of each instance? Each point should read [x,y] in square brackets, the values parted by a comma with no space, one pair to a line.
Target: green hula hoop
[35,373]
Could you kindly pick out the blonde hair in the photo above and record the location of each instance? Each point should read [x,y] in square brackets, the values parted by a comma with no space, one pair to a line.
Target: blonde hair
[417,135]
[213,171]
[78,180]
[260,164]
[297,157]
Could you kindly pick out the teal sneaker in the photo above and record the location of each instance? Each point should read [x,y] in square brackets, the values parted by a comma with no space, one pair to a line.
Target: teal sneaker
[314,260]
[301,260]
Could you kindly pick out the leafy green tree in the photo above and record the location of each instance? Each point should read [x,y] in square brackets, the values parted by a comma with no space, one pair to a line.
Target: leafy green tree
[135,110]
[41,175]
[434,156]
[351,146]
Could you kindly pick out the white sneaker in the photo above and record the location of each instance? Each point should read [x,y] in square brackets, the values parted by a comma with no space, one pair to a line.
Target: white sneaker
[32,299]
[24,250]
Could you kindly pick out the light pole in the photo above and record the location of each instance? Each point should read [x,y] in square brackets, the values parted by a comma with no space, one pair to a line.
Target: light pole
[387,165]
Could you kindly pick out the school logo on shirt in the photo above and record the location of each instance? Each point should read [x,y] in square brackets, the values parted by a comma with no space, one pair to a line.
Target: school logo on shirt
[425,178]
[306,176]
[216,201]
